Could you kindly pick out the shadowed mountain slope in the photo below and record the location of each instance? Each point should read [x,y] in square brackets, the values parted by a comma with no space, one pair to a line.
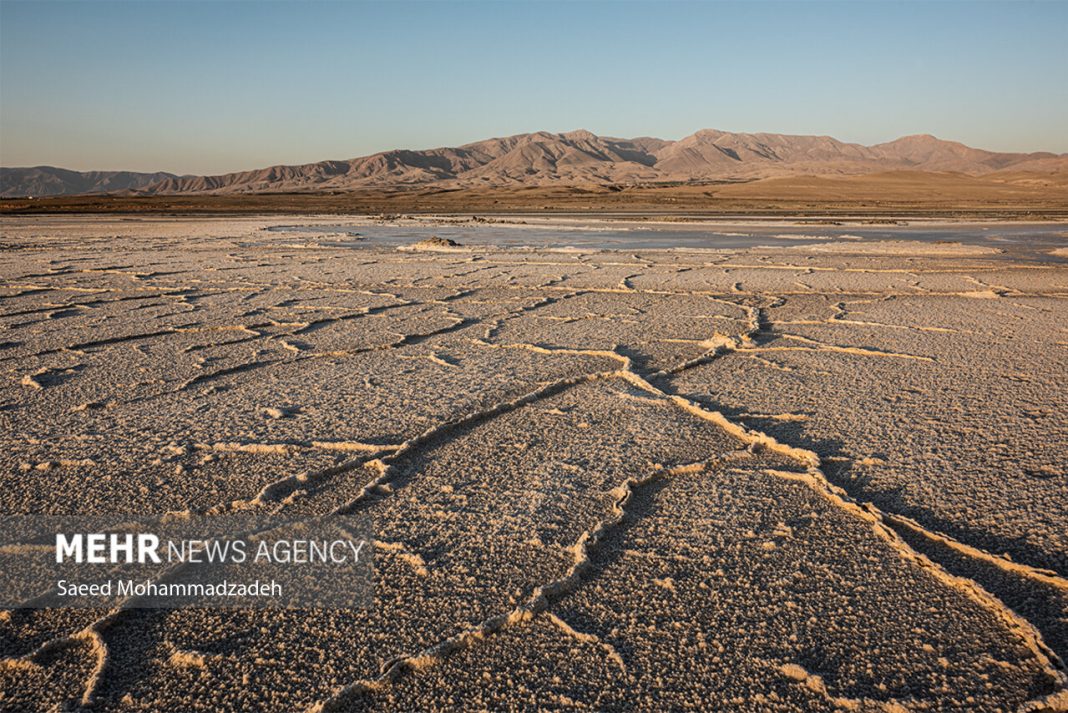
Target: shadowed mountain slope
[573,158]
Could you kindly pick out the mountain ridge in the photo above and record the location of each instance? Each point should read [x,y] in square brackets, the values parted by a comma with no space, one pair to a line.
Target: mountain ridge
[571,158]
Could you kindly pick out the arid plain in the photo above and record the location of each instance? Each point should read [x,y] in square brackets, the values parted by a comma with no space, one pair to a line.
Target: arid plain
[814,475]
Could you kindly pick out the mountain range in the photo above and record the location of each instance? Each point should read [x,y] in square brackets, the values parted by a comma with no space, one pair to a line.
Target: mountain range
[575,158]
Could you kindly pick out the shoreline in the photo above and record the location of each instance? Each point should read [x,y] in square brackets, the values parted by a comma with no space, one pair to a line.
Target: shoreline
[1031,241]
[520,219]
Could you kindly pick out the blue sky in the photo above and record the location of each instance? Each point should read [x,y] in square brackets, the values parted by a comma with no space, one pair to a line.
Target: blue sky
[206,87]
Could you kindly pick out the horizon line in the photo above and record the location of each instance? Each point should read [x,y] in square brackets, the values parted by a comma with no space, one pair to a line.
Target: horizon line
[523,133]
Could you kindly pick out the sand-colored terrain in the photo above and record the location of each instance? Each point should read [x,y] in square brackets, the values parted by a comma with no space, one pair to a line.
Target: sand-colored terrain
[808,477]
[575,158]
[1016,195]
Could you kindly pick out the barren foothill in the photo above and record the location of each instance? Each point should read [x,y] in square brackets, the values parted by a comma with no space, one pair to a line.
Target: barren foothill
[794,477]
[915,194]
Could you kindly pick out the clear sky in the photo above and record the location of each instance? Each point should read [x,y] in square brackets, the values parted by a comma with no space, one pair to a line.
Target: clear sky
[210,87]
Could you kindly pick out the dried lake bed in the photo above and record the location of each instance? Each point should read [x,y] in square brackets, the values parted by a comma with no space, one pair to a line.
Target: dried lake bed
[811,472]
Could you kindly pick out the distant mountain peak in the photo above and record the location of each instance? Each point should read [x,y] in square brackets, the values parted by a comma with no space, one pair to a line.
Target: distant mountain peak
[580,135]
[573,158]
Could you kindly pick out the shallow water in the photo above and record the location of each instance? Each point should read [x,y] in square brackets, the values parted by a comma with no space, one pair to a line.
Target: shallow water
[1020,241]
